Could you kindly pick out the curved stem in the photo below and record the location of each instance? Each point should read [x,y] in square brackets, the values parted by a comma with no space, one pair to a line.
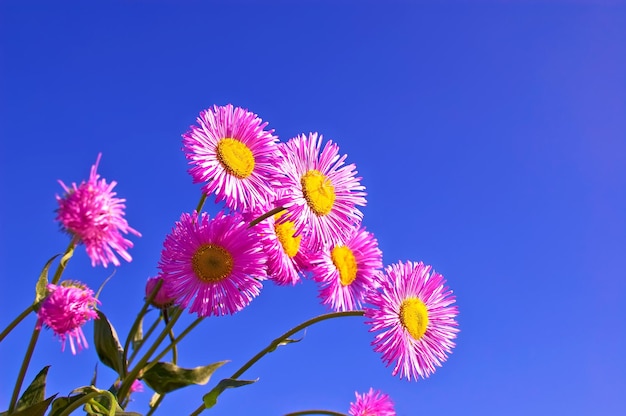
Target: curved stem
[265,216]
[274,344]
[66,257]
[315,412]
[132,375]
[138,319]
[201,203]
[16,321]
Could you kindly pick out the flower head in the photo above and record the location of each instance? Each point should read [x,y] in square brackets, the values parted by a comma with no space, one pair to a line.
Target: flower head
[372,403]
[65,310]
[318,191]
[91,212]
[347,272]
[136,387]
[216,264]
[162,299]
[232,154]
[414,312]
[287,257]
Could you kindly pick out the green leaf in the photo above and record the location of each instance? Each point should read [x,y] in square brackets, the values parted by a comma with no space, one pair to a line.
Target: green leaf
[36,391]
[108,345]
[41,290]
[210,398]
[102,285]
[165,377]
[138,335]
[95,375]
[285,342]
[36,409]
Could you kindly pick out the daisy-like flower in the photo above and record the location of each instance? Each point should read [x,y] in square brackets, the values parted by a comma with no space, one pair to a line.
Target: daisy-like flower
[318,191]
[92,213]
[287,258]
[372,403]
[163,299]
[417,322]
[232,154]
[65,310]
[347,272]
[216,265]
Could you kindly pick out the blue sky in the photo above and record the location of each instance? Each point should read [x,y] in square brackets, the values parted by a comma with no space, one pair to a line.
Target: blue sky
[491,138]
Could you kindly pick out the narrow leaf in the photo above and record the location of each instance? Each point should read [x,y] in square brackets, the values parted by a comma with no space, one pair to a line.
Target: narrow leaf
[210,399]
[285,342]
[36,391]
[102,285]
[41,290]
[138,335]
[36,409]
[165,377]
[108,345]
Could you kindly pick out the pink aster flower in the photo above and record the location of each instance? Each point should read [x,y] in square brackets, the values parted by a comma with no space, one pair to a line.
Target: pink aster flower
[65,310]
[91,212]
[413,312]
[216,264]
[318,191]
[347,272]
[232,154]
[287,257]
[372,403]
[163,298]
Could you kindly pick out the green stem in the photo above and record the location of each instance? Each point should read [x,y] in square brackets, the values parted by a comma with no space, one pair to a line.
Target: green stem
[156,404]
[24,367]
[33,339]
[138,319]
[265,216]
[132,375]
[145,337]
[315,412]
[66,257]
[86,399]
[175,342]
[276,343]
[16,321]
[201,203]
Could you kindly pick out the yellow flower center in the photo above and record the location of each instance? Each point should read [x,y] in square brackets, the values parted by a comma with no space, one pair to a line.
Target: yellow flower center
[236,157]
[284,233]
[344,261]
[318,191]
[414,317]
[212,263]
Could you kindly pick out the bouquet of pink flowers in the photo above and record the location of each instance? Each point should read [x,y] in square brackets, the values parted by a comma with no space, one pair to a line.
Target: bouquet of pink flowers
[289,211]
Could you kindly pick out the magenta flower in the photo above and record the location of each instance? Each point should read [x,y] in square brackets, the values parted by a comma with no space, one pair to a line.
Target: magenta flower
[318,191]
[347,272]
[372,403]
[136,387]
[414,312]
[91,212]
[65,310]
[232,154]
[287,257]
[216,264]
[163,299]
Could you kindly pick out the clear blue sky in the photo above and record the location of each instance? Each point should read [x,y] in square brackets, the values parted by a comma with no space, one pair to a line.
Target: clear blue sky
[491,137]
